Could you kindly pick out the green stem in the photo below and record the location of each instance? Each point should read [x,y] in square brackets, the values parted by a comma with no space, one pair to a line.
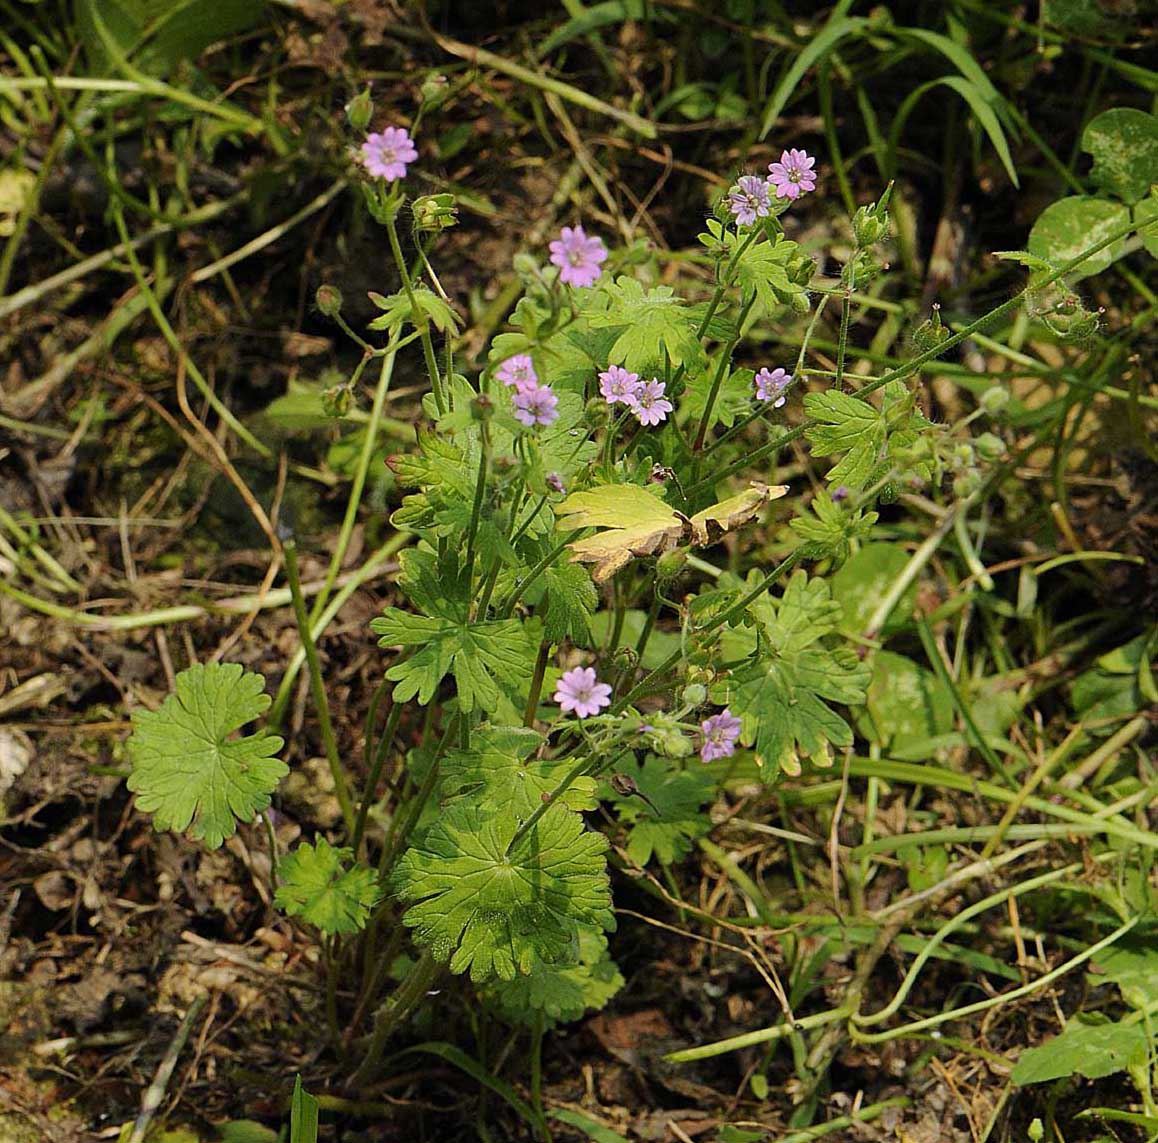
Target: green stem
[718,379]
[375,773]
[387,1019]
[484,461]
[537,683]
[317,686]
[369,442]
[417,316]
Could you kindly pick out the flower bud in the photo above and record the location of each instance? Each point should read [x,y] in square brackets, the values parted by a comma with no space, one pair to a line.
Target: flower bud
[482,408]
[670,564]
[360,110]
[666,737]
[625,658]
[694,694]
[931,333]
[435,212]
[962,456]
[336,400]
[329,300]
[434,89]
[597,412]
[990,447]
[967,483]
[995,399]
[525,265]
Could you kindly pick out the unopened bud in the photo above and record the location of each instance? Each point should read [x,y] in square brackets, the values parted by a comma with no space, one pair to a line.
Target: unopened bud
[482,408]
[966,484]
[329,300]
[624,785]
[434,89]
[625,658]
[695,694]
[336,400]
[360,110]
[670,564]
[597,412]
[931,333]
[435,212]
[995,399]
[990,447]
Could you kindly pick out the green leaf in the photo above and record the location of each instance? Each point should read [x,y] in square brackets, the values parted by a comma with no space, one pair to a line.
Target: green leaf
[1067,227]
[480,655]
[561,991]
[780,696]
[814,50]
[571,599]
[1146,217]
[397,310]
[733,400]
[656,326]
[187,770]
[591,19]
[830,529]
[325,887]
[477,906]
[1084,1049]
[846,425]
[766,270]
[1133,967]
[669,816]
[303,1115]
[1124,144]
[594,1131]
[906,708]
[499,770]
[166,32]
[860,584]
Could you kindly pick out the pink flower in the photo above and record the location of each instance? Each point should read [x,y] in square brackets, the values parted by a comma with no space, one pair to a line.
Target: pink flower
[618,385]
[793,175]
[386,153]
[535,405]
[518,371]
[580,692]
[555,482]
[648,402]
[749,199]
[770,386]
[578,257]
[720,734]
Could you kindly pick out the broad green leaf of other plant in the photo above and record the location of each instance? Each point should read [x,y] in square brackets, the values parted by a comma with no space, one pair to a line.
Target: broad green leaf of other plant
[499,770]
[326,887]
[1124,144]
[188,771]
[561,992]
[640,523]
[479,655]
[1067,227]
[482,902]
[678,796]
[781,695]
[1083,1049]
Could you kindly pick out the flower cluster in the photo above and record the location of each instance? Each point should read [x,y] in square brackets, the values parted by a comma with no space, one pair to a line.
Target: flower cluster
[644,398]
[534,404]
[792,176]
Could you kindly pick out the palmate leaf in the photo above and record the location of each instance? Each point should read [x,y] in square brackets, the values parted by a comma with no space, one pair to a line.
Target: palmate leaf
[561,991]
[324,886]
[427,306]
[640,523]
[768,272]
[187,770]
[657,326]
[480,656]
[670,814]
[478,907]
[571,600]
[781,696]
[499,770]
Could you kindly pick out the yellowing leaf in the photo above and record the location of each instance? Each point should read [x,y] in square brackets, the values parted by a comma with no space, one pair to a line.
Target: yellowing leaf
[640,523]
[15,189]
